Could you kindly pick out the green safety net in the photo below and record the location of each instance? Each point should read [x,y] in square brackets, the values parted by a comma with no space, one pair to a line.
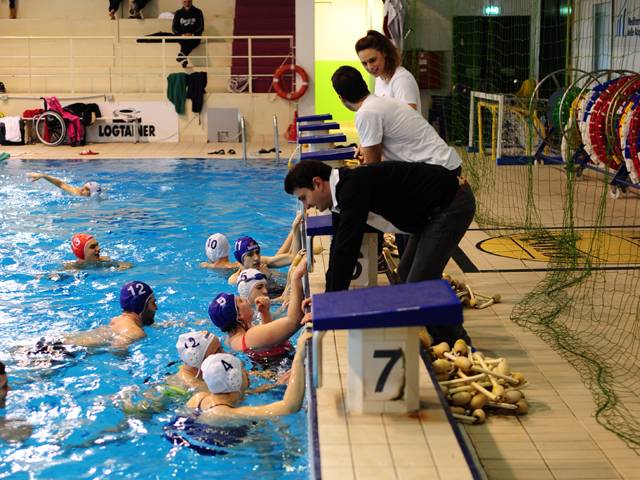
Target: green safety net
[542,57]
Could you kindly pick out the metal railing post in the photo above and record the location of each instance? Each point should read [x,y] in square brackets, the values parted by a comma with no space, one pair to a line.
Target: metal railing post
[243,132]
[276,139]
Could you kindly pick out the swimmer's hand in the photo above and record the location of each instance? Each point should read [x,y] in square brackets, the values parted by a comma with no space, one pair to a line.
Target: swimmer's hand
[263,304]
[35,176]
[307,318]
[124,265]
[301,269]
[284,378]
[296,220]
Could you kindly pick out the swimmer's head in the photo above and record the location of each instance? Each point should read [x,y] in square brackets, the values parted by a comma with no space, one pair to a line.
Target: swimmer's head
[223,312]
[194,347]
[224,373]
[217,247]
[85,247]
[137,297]
[90,189]
[247,252]
[251,281]
[4,385]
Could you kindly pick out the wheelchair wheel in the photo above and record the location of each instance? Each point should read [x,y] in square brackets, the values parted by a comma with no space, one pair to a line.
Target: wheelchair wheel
[50,128]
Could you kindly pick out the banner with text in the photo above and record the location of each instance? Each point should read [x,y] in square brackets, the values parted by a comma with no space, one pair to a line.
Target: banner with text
[154,122]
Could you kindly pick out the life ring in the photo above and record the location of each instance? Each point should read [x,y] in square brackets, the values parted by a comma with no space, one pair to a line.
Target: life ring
[277,77]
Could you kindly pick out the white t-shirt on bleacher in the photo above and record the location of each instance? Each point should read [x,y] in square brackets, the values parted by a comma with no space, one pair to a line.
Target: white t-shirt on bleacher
[401,86]
[404,133]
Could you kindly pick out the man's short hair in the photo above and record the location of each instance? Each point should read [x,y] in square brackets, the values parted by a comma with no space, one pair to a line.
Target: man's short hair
[302,174]
[349,84]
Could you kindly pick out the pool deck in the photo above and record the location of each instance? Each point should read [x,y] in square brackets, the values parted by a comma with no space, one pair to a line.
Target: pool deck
[559,438]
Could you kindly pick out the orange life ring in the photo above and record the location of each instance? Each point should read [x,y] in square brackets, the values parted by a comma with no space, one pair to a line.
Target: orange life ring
[277,77]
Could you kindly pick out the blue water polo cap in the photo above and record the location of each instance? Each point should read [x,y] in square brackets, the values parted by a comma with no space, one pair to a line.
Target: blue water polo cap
[243,246]
[134,296]
[222,311]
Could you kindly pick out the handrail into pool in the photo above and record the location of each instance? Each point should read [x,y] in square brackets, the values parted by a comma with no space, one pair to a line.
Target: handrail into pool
[243,132]
[276,139]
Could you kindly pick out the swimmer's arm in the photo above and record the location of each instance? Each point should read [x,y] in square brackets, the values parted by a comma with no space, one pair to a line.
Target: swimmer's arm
[123,265]
[276,261]
[126,337]
[292,400]
[71,266]
[234,277]
[276,332]
[55,181]
[286,246]
[372,154]
[206,265]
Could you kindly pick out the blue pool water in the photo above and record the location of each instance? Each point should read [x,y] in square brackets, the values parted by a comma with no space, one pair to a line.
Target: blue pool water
[156,214]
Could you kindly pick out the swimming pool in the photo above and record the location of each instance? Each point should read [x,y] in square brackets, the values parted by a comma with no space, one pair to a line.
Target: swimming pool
[157,214]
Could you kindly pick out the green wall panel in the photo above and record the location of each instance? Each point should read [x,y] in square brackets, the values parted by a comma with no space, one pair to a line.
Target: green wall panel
[327,100]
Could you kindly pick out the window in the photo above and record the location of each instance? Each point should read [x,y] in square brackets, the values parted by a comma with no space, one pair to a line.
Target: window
[602,36]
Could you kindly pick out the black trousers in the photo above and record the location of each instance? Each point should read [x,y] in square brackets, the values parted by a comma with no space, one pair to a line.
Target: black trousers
[115,4]
[187,46]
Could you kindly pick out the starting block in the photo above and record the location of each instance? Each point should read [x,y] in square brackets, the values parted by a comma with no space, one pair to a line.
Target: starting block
[383,343]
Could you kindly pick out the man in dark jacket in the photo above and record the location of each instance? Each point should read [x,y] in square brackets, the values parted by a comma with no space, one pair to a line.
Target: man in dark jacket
[187,22]
[399,197]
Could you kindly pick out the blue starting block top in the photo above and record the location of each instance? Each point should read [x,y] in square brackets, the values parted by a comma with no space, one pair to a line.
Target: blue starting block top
[321,117]
[319,225]
[432,302]
[312,127]
[328,138]
[327,155]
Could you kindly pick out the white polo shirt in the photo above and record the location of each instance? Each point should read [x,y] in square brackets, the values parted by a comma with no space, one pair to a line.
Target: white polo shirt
[404,133]
[401,86]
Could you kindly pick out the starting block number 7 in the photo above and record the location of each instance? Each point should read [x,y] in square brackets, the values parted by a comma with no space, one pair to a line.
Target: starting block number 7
[384,372]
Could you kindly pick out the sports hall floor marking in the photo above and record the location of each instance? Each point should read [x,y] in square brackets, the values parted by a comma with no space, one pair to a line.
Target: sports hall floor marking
[619,250]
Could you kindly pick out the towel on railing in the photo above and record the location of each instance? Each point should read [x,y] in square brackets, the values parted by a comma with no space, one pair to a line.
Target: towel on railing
[177,90]
[196,84]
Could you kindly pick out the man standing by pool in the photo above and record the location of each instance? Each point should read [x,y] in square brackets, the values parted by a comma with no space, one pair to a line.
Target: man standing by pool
[429,202]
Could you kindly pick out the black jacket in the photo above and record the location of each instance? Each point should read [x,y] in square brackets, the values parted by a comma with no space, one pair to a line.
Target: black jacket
[188,21]
[404,193]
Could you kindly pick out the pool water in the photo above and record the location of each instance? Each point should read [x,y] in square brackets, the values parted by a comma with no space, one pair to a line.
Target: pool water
[156,214]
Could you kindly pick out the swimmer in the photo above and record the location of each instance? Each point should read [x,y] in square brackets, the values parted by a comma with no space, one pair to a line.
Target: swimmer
[87,250]
[217,250]
[11,430]
[252,285]
[247,253]
[89,189]
[227,381]
[266,342]
[139,307]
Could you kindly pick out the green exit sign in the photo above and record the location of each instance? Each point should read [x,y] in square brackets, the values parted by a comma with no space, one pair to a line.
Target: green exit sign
[492,10]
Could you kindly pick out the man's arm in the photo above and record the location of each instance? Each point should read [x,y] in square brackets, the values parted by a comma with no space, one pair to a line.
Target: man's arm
[372,154]
[349,229]
[199,24]
[55,181]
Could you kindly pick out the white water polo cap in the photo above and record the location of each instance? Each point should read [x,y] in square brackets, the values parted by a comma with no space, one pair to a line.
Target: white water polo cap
[94,188]
[217,247]
[222,373]
[193,346]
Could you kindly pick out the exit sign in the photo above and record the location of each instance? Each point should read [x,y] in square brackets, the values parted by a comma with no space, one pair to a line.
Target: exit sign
[492,10]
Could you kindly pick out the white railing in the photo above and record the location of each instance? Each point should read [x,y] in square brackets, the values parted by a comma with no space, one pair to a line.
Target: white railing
[119,64]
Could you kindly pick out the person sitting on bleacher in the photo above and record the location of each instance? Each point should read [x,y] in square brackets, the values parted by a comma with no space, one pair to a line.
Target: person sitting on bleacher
[187,22]
[427,201]
[135,8]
